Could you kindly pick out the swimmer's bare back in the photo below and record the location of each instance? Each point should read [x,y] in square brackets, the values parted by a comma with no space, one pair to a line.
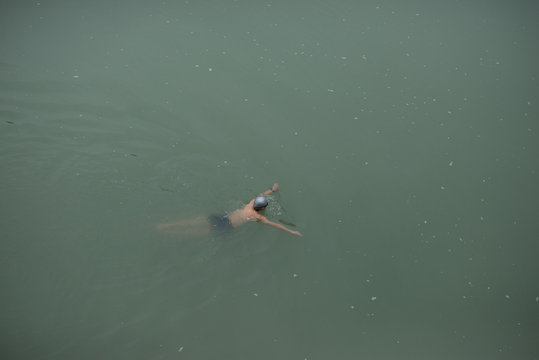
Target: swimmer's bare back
[248,213]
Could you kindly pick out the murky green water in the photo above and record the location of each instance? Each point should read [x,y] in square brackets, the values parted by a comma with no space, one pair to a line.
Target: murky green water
[404,136]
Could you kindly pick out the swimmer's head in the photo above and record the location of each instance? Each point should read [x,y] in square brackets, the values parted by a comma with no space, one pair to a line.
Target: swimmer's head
[260,203]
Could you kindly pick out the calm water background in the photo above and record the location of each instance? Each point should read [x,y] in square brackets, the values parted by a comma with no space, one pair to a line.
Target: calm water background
[403,134]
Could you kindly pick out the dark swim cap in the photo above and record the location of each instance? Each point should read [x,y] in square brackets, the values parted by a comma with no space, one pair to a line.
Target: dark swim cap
[260,203]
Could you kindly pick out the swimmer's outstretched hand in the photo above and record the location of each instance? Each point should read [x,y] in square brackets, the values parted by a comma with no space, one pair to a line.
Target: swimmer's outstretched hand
[296,233]
[274,188]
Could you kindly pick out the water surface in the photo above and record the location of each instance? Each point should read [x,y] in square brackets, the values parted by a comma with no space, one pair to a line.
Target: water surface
[403,135]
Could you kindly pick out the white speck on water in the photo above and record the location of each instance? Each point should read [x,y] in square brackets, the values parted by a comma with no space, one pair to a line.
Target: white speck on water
[331,90]
[180,349]
[442,187]
[507,297]
[451,163]
[210,69]
[537,299]
[255,294]
[76,76]
[197,65]
[295,275]
[373,298]
[352,307]
[364,57]
[295,133]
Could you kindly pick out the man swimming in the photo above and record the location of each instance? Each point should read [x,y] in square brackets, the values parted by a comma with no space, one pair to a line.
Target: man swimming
[220,223]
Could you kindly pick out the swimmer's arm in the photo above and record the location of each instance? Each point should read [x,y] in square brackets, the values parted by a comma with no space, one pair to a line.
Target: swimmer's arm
[274,188]
[279,226]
